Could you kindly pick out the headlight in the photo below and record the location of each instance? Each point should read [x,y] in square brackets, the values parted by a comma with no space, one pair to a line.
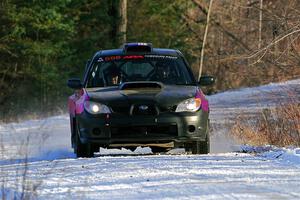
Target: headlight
[189,105]
[96,108]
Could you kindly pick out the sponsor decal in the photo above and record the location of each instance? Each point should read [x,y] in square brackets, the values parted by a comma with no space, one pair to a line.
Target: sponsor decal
[134,57]
[113,58]
[160,56]
[110,58]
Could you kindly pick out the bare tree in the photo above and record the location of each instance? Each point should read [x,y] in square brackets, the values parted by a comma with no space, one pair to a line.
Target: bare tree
[250,42]
[260,22]
[123,21]
[204,39]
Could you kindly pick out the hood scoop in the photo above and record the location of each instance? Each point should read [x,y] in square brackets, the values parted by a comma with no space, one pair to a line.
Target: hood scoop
[140,85]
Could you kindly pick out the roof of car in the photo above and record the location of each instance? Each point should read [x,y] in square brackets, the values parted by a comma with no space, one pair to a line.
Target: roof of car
[157,51]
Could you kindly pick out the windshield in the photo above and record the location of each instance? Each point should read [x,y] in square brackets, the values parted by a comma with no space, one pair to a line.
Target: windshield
[114,70]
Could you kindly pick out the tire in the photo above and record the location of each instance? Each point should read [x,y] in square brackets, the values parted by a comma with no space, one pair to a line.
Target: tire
[73,132]
[198,147]
[158,149]
[82,150]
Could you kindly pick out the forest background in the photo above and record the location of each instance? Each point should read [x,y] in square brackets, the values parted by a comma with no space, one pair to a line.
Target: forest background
[43,43]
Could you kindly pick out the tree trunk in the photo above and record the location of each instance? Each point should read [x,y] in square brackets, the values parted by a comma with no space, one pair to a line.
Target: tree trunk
[204,40]
[123,21]
[260,23]
[113,12]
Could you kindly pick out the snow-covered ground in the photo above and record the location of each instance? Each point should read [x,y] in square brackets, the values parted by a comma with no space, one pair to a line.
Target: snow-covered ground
[51,167]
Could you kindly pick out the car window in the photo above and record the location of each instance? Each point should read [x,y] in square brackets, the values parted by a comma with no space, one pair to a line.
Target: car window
[136,69]
[114,70]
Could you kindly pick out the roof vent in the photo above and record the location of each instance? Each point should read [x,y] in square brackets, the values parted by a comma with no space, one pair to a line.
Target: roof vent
[137,47]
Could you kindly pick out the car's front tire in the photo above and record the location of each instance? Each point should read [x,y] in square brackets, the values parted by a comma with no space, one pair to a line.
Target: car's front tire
[198,147]
[82,150]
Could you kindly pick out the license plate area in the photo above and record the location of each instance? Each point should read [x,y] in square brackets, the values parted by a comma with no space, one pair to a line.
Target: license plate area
[141,131]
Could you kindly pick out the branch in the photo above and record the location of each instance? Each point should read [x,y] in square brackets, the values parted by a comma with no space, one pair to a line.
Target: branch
[187,19]
[215,22]
[272,43]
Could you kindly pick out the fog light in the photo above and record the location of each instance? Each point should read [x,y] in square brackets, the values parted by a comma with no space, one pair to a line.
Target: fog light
[191,128]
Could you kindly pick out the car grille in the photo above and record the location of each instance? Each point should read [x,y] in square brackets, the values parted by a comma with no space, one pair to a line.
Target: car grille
[144,131]
[121,109]
[143,110]
[136,109]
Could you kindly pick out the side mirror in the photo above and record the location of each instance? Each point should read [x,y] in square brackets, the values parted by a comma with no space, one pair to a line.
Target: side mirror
[206,80]
[74,83]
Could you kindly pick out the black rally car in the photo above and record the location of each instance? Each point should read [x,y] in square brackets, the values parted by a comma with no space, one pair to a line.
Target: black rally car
[138,95]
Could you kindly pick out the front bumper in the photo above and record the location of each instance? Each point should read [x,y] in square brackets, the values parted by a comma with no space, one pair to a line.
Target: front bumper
[114,128]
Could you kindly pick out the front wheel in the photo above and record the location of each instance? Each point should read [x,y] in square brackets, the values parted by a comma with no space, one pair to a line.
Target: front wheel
[198,147]
[82,150]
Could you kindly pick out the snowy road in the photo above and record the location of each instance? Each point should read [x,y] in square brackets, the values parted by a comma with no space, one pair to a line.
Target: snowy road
[51,166]
[216,176]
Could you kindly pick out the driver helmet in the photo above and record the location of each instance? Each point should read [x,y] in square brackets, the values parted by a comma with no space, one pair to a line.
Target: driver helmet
[162,69]
[113,74]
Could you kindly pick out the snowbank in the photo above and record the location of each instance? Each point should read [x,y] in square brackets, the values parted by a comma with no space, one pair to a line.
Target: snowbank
[289,155]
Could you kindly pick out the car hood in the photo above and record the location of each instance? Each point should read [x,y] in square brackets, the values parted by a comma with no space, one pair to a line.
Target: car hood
[167,95]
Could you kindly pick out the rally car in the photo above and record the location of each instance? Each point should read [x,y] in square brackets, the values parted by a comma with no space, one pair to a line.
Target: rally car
[138,96]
